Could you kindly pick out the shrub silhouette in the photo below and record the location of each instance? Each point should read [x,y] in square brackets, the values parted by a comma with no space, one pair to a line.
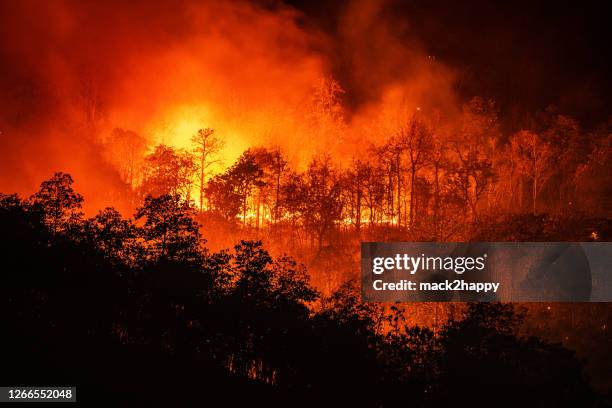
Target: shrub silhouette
[146,315]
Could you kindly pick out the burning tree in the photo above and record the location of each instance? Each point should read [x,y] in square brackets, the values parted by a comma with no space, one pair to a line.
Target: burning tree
[168,171]
[222,197]
[534,158]
[273,166]
[232,190]
[279,170]
[416,140]
[126,150]
[326,115]
[593,178]
[355,182]
[207,147]
[474,146]
[567,141]
[323,205]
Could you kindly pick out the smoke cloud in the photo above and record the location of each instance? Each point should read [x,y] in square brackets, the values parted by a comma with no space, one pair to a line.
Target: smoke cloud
[74,71]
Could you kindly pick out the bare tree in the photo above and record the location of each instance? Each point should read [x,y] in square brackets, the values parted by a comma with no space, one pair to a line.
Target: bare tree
[391,153]
[326,115]
[126,149]
[207,147]
[279,168]
[535,160]
[437,160]
[416,141]
[355,180]
[474,145]
[323,206]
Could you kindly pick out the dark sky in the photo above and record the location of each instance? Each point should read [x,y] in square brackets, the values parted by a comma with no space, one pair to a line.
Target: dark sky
[525,54]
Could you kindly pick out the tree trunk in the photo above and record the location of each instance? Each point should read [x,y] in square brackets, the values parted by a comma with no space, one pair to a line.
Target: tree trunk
[358,211]
[437,201]
[258,212]
[244,209]
[399,192]
[412,200]
[534,193]
[201,184]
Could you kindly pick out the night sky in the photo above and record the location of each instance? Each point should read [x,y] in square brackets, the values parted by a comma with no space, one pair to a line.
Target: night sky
[526,55]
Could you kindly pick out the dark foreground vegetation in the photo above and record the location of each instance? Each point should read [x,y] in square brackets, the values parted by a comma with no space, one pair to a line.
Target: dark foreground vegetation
[141,313]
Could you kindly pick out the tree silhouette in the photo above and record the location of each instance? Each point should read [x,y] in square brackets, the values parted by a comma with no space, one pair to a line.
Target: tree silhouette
[322,206]
[245,175]
[144,302]
[416,140]
[534,160]
[167,172]
[355,185]
[113,235]
[484,348]
[169,229]
[206,148]
[58,203]
[326,116]
[126,149]
[223,197]
[147,305]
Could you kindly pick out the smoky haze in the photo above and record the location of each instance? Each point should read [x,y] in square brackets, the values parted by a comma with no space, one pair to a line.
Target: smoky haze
[74,71]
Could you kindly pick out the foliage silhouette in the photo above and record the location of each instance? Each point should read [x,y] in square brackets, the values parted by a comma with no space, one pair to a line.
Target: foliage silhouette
[141,313]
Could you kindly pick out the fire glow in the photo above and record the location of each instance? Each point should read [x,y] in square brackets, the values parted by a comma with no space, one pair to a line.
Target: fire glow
[164,71]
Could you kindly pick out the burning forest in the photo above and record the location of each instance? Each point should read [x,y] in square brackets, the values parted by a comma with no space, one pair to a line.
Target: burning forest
[209,170]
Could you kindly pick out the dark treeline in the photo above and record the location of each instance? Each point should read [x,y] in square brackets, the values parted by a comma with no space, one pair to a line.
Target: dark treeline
[140,312]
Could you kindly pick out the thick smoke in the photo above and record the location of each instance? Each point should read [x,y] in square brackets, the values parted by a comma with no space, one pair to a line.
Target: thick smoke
[74,71]
[389,74]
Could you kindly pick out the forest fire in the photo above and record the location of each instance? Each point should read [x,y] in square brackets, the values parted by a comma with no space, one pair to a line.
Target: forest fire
[292,132]
[253,84]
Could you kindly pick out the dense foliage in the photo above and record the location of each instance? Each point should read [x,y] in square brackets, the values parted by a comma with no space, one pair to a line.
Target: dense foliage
[139,311]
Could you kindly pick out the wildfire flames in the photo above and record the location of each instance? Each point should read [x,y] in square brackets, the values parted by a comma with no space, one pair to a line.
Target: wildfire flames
[115,96]
[308,135]
[166,70]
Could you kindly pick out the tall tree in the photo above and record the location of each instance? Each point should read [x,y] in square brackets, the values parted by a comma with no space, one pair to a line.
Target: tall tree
[279,170]
[391,154]
[374,194]
[594,178]
[571,148]
[323,205]
[326,117]
[168,171]
[222,196]
[273,166]
[438,163]
[534,158]
[58,203]
[355,182]
[169,230]
[126,150]
[470,177]
[114,236]
[207,147]
[292,203]
[474,144]
[416,140]
[236,186]
[246,174]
